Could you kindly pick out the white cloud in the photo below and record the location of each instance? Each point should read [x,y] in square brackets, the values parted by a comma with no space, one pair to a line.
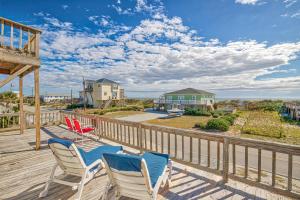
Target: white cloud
[160,54]
[249,2]
[64,7]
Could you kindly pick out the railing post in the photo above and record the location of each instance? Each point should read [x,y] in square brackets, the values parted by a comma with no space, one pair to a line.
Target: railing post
[225,160]
[139,138]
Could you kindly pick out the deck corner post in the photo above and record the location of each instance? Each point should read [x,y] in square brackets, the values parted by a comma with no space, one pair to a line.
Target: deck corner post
[225,160]
[37,107]
[21,117]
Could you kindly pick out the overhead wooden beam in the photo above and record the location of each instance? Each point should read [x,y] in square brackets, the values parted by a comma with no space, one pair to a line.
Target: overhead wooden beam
[4,71]
[16,68]
[14,75]
[6,56]
[22,121]
[37,108]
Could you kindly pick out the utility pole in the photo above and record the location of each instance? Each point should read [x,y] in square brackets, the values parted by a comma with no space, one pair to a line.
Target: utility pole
[71,96]
[84,94]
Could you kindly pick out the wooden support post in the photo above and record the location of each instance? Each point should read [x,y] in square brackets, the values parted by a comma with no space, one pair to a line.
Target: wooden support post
[37,107]
[22,121]
[29,39]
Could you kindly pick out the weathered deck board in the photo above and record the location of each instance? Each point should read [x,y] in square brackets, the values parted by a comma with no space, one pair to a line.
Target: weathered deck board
[23,172]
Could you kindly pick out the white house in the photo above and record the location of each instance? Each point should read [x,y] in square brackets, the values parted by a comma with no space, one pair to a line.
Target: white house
[55,97]
[100,92]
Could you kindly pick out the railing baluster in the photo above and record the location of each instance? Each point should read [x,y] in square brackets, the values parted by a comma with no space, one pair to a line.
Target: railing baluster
[259,166]
[156,145]
[233,159]
[199,151]
[246,162]
[218,155]
[162,141]
[182,147]
[273,168]
[225,160]
[208,153]
[129,134]
[20,38]
[290,172]
[150,139]
[191,149]
[28,45]
[169,143]
[11,36]
[175,135]
[2,32]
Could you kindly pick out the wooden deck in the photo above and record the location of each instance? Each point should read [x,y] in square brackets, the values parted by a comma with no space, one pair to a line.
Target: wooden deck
[23,172]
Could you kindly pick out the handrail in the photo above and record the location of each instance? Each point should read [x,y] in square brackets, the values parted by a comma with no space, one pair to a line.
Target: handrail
[227,156]
[33,37]
[11,121]
[18,25]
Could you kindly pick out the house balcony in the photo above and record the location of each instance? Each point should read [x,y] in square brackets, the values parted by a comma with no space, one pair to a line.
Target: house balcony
[182,102]
[206,166]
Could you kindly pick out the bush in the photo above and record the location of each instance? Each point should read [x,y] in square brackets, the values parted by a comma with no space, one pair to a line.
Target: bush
[196,112]
[217,113]
[201,125]
[230,118]
[218,124]
[115,109]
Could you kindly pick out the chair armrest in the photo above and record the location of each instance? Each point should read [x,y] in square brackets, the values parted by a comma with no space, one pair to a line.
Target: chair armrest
[94,164]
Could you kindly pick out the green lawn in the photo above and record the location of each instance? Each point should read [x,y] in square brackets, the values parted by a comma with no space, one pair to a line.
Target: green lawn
[186,122]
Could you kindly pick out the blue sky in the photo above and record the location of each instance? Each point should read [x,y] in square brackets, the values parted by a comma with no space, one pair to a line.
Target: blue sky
[235,48]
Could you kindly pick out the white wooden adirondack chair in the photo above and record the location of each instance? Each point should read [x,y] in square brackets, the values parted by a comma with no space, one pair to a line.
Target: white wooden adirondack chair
[75,161]
[138,177]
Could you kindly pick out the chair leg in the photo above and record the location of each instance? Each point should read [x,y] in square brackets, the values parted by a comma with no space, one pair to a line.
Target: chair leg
[104,197]
[80,188]
[45,191]
[170,165]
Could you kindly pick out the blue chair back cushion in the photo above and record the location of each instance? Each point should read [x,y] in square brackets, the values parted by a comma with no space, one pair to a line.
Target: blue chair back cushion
[90,156]
[155,162]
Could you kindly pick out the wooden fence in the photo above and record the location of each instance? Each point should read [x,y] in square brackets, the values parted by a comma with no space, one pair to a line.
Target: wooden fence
[219,154]
[11,121]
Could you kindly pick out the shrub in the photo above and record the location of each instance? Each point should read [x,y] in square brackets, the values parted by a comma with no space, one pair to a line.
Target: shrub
[218,112]
[215,115]
[230,118]
[218,124]
[201,125]
[196,112]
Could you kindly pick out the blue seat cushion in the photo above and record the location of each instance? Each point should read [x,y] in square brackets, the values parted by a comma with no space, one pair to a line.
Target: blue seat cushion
[97,153]
[156,164]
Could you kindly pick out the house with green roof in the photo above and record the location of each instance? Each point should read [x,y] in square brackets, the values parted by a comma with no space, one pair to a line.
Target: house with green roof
[186,98]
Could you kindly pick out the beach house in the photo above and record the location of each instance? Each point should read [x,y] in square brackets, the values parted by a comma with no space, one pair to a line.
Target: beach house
[186,98]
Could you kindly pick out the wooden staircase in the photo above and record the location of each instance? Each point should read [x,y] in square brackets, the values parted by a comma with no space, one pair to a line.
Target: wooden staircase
[19,55]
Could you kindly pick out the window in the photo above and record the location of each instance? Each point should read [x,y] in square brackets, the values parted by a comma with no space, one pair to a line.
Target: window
[169,97]
[193,97]
[180,97]
[105,93]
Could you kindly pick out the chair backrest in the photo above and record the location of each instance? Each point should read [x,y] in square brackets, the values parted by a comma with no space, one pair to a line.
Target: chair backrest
[77,126]
[129,174]
[67,156]
[69,124]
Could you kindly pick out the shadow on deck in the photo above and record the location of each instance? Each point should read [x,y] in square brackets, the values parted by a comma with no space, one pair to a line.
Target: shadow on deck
[24,172]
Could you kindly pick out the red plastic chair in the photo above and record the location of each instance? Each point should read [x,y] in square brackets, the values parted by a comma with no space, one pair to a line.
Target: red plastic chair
[69,124]
[82,130]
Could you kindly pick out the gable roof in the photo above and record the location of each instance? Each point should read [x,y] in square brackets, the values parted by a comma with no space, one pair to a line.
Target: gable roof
[105,80]
[190,91]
